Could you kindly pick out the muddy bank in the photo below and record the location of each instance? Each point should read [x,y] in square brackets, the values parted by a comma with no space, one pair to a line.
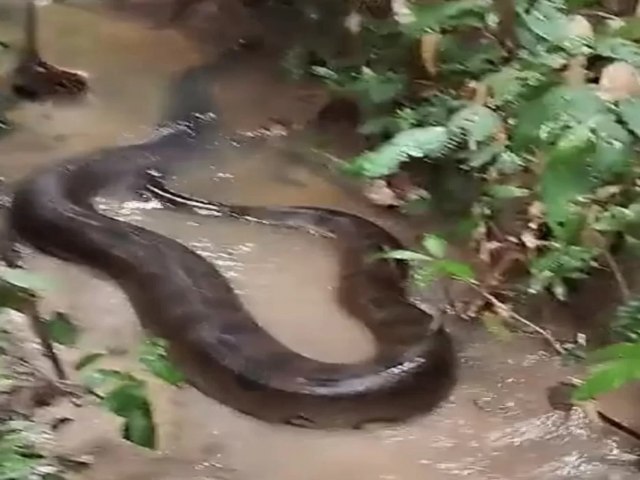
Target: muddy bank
[497,425]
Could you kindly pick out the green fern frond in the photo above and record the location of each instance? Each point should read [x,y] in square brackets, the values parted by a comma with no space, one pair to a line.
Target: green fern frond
[508,163]
[413,143]
[560,262]
[379,88]
[457,13]
[545,35]
[610,375]
[371,87]
[544,120]
[629,110]
[546,18]
[457,56]
[630,29]
[476,124]
[626,325]
[614,148]
[618,49]
[496,159]
[433,111]
[511,84]
[616,218]
[484,156]
[566,175]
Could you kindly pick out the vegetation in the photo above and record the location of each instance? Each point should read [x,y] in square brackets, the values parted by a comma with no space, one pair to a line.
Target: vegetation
[120,392]
[536,103]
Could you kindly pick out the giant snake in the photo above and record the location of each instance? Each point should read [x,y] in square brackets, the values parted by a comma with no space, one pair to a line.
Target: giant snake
[181,297]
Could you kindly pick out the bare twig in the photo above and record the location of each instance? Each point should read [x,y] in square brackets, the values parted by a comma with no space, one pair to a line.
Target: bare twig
[508,311]
[31,311]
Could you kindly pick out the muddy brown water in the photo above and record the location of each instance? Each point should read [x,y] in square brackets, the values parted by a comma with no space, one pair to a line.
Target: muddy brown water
[496,425]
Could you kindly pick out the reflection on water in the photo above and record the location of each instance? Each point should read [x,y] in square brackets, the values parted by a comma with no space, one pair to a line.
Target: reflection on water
[496,426]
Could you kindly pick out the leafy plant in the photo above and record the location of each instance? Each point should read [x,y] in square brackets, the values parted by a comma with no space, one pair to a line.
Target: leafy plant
[153,355]
[126,396]
[430,263]
[613,367]
[549,144]
[61,329]
[19,456]
[120,392]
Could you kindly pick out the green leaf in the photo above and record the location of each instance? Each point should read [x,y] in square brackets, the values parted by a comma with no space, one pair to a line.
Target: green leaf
[104,379]
[153,355]
[88,359]
[630,112]
[508,163]
[608,377]
[614,148]
[510,84]
[457,270]
[458,13]
[626,324]
[435,245]
[477,123]
[560,262]
[25,279]
[424,275]
[629,351]
[126,397]
[613,219]
[619,49]
[549,20]
[507,191]
[484,155]
[544,120]
[415,142]
[140,429]
[546,18]
[14,298]
[379,88]
[129,401]
[566,175]
[61,330]
[630,30]
[378,125]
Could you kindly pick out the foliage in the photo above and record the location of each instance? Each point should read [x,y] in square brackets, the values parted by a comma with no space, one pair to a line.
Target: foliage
[19,455]
[430,262]
[536,130]
[61,329]
[125,395]
[614,366]
[153,355]
[122,393]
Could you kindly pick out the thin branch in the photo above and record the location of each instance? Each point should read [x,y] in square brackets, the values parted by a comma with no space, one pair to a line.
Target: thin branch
[505,309]
[31,311]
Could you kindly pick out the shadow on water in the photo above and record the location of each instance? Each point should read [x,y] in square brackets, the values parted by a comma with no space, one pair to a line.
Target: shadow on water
[496,426]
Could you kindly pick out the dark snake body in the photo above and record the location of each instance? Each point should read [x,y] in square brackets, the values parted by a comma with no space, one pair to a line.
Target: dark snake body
[181,297]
